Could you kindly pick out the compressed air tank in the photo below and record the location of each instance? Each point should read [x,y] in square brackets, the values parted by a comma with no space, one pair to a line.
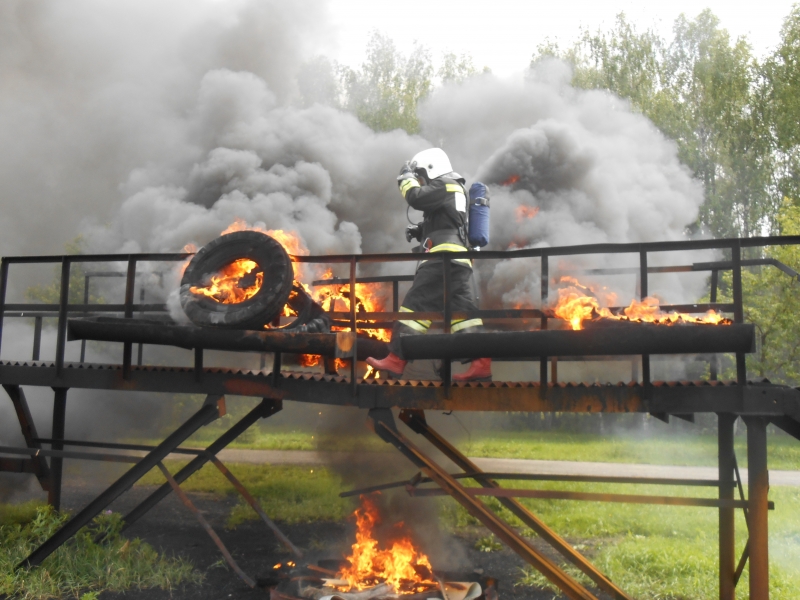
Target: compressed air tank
[478,215]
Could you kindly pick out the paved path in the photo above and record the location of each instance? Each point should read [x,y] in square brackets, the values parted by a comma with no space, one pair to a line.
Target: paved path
[509,465]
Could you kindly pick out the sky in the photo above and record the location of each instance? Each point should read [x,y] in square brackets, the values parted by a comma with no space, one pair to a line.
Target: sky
[503,34]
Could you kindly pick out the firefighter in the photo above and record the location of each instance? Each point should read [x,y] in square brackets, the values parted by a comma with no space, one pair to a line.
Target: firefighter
[429,184]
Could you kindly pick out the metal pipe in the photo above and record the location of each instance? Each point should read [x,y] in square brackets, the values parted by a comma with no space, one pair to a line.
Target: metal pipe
[4,263]
[62,316]
[212,409]
[130,283]
[167,333]
[544,292]
[727,536]
[738,309]
[57,463]
[37,338]
[353,328]
[598,341]
[205,524]
[758,517]
[86,280]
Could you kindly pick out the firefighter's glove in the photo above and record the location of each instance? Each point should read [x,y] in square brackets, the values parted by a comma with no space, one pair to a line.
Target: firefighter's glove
[478,191]
[405,173]
[414,232]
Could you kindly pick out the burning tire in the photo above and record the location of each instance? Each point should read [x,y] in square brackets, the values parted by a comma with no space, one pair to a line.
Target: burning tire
[241,280]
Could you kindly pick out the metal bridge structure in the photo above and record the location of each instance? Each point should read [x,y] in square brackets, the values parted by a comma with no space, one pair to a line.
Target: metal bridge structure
[525,337]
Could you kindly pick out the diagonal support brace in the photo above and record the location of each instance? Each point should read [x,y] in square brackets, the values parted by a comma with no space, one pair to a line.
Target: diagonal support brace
[382,423]
[415,419]
[40,467]
[267,408]
[213,408]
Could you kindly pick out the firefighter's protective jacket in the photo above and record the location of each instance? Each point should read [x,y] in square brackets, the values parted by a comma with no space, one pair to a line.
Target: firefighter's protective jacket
[443,203]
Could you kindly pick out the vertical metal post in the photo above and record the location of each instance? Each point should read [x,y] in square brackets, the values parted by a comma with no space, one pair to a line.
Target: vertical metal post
[714,364]
[63,301]
[86,281]
[447,288]
[198,364]
[738,309]
[57,463]
[758,489]
[643,293]
[3,287]
[127,348]
[276,370]
[545,292]
[140,349]
[395,296]
[37,338]
[727,532]
[353,328]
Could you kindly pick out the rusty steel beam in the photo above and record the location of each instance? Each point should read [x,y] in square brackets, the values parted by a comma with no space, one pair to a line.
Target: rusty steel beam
[207,526]
[758,518]
[417,422]
[167,333]
[610,340]
[29,433]
[727,539]
[382,423]
[592,497]
[248,497]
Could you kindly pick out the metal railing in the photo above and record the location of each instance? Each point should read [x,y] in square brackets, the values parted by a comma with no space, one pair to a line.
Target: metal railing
[370,320]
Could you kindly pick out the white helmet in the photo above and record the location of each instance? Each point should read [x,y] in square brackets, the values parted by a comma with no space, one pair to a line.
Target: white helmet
[433,162]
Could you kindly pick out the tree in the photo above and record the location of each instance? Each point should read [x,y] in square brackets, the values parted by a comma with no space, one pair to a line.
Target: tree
[772,302]
[385,92]
[702,90]
[456,68]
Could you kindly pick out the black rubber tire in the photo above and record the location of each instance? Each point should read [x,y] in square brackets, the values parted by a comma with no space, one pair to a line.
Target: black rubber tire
[253,313]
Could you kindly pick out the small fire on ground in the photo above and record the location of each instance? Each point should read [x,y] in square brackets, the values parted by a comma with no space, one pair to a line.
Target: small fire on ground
[578,303]
[400,565]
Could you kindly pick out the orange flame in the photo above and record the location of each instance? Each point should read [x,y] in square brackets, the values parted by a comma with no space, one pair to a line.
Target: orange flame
[523,212]
[578,303]
[309,360]
[511,180]
[231,284]
[370,565]
[368,299]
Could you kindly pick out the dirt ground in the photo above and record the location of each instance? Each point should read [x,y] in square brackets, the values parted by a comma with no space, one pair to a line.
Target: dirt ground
[172,529]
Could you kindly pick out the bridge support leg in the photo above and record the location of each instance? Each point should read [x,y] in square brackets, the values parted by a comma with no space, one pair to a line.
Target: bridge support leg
[56,463]
[758,484]
[727,536]
[41,468]
[382,423]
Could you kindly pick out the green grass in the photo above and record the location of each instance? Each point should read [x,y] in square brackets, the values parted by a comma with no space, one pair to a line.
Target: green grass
[286,493]
[81,567]
[658,552]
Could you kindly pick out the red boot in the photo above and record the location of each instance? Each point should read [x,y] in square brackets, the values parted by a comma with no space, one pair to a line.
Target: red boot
[480,369]
[392,363]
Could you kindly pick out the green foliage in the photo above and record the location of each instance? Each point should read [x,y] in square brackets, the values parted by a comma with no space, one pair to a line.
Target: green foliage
[772,303]
[385,91]
[488,543]
[456,68]
[82,565]
[704,91]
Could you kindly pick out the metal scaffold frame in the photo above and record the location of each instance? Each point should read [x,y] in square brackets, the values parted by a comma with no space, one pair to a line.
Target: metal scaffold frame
[758,403]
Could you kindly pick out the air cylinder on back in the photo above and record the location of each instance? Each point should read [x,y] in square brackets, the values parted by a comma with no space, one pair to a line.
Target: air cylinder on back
[478,215]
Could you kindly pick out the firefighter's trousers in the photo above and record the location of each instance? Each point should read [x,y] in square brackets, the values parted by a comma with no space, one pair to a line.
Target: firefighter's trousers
[427,295]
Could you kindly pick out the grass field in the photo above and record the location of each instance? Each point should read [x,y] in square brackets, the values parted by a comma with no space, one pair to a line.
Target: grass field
[82,568]
[654,552]
[681,449]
